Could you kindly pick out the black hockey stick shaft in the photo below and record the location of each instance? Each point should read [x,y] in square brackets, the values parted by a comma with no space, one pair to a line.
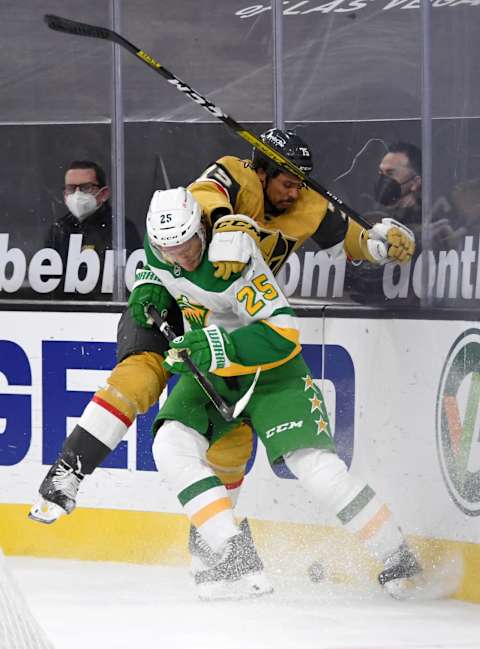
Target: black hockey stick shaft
[83,29]
[222,406]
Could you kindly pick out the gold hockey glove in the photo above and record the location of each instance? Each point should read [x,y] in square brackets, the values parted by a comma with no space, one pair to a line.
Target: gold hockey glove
[388,241]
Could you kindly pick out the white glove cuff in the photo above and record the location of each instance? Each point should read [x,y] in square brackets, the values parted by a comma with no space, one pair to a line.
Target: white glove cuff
[217,348]
[378,250]
[146,276]
[380,230]
[231,246]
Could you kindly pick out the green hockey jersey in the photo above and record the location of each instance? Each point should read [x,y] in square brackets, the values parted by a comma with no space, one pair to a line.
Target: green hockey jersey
[250,306]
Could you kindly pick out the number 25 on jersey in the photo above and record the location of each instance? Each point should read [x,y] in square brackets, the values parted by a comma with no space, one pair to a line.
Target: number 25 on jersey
[253,296]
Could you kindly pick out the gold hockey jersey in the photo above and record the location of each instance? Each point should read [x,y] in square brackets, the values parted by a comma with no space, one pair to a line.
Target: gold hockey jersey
[232,186]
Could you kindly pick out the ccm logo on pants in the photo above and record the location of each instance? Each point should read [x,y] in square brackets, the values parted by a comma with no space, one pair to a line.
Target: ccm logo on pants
[288,425]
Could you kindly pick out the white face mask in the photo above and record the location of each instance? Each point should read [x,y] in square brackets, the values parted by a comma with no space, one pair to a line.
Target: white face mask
[81,204]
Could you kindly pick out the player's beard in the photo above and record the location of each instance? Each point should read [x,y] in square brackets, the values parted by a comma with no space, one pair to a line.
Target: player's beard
[271,209]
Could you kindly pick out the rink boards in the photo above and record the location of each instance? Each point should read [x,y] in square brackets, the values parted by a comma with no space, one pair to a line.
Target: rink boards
[403,397]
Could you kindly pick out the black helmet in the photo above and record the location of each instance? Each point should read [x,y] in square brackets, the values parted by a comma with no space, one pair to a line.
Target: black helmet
[290,145]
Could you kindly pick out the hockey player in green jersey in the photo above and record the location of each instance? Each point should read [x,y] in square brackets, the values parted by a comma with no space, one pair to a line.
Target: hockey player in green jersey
[233,327]
[287,213]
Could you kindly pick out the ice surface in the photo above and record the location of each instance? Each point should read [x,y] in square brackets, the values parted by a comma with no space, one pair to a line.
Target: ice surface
[123,606]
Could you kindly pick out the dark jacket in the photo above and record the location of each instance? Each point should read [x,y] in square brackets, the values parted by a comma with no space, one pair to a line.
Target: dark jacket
[96,231]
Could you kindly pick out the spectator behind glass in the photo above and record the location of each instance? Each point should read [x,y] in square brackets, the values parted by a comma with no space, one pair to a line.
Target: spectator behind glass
[398,192]
[399,184]
[399,189]
[86,195]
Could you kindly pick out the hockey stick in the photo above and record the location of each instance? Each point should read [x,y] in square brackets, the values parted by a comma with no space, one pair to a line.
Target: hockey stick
[228,412]
[83,29]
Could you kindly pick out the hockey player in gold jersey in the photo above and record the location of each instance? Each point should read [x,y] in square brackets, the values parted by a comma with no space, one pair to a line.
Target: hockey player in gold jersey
[287,214]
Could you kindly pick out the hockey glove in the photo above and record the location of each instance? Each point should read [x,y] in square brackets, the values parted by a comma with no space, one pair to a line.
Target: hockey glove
[226,268]
[235,238]
[387,241]
[147,290]
[210,348]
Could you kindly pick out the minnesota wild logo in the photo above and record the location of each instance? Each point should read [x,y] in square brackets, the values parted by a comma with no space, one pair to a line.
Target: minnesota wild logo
[194,314]
[458,422]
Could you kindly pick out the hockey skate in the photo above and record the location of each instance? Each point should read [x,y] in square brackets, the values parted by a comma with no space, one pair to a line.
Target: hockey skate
[236,573]
[401,568]
[58,492]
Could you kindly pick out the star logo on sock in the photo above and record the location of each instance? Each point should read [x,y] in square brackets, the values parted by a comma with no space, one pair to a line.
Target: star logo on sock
[316,403]
[322,425]
[309,383]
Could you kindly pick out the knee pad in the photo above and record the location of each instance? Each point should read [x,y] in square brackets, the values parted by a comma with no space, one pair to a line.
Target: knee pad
[136,383]
[325,476]
[229,455]
[179,454]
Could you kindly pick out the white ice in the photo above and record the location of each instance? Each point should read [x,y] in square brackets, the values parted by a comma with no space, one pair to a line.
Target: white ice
[88,605]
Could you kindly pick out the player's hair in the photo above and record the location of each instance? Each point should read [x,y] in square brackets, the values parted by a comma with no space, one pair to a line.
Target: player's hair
[88,164]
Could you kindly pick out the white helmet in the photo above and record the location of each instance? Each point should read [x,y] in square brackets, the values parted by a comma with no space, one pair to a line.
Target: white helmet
[174,216]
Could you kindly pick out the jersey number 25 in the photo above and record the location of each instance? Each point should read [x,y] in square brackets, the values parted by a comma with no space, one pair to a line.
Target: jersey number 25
[253,301]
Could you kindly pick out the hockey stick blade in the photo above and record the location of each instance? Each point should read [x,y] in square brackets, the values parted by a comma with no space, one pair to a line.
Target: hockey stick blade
[228,412]
[83,29]
[241,403]
[67,26]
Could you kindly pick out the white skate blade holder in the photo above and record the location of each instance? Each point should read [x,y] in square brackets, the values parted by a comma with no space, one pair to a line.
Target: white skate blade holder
[46,512]
[435,582]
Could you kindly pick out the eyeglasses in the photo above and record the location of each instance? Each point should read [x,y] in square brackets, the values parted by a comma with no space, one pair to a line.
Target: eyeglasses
[88,188]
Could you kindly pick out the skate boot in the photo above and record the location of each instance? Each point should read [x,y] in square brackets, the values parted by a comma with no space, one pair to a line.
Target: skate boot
[400,569]
[58,492]
[236,573]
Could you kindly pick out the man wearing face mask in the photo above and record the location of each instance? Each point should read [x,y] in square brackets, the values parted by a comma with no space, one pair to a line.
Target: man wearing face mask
[398,192]
[399,189]
[399,183]
[86,195]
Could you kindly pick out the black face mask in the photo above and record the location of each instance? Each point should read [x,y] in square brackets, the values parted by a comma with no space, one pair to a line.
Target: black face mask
[387,191]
